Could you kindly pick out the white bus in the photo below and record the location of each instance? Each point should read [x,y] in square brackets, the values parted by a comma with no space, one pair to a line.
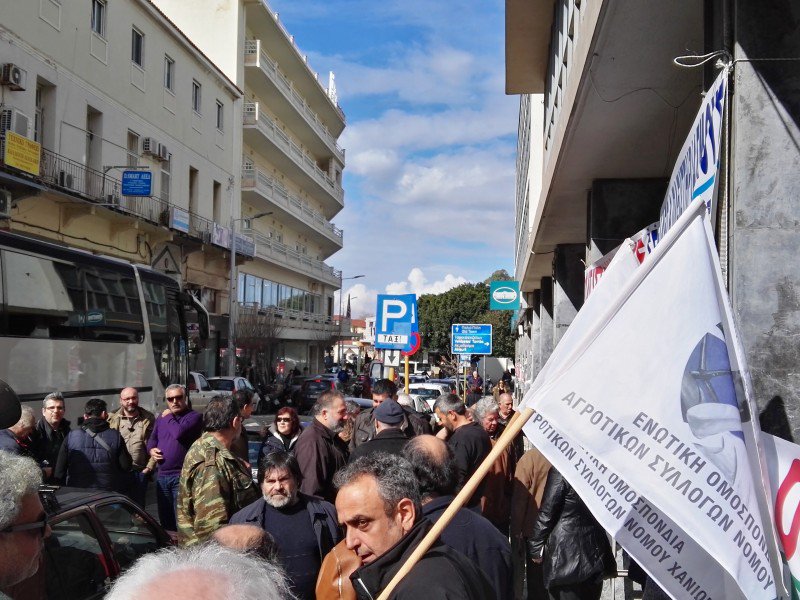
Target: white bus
[87,325]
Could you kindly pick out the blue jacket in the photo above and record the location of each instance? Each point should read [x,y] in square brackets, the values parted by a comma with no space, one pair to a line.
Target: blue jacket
[322,515]
[84,462]
[476,538]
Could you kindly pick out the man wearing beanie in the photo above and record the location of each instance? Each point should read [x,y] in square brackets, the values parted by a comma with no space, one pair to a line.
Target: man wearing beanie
[388,438]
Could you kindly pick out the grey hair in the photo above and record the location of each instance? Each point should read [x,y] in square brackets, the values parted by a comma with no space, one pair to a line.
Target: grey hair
[450,402]
[325,401]
[27,417]
[52,396]
[483,407]
[19,477]
[352,407]
[394,477]
[175,386]
[246,577]
[405,400]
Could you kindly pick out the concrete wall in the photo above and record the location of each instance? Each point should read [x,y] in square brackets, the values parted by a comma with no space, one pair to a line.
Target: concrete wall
[765,213]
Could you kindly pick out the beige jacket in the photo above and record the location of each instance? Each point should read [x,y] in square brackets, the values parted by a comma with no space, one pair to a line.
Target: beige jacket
[135,431]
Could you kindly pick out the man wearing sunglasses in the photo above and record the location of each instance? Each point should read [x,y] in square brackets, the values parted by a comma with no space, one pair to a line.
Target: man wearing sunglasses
[173,434]
[23,523]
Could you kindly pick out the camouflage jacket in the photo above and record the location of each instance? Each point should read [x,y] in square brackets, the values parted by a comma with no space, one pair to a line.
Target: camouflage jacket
[214,484]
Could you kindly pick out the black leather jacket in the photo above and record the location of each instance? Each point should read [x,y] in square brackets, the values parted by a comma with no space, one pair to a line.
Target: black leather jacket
[574,547]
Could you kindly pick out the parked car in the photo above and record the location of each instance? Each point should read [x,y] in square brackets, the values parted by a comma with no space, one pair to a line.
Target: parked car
[200,392]
[313,387]
[96,536]
[225,386]
[429,392]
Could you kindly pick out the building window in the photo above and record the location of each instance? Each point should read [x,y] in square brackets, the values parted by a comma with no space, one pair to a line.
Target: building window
[195,96]
[220,116]
[38,119]
[133,149]
[99,17]
[137,47]
[165,179]
[169,73]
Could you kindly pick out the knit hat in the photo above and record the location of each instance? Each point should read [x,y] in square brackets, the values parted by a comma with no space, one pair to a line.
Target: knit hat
[389,412]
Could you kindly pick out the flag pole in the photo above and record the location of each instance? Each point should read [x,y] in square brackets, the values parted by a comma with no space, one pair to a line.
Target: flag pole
[512,429]
[757,460]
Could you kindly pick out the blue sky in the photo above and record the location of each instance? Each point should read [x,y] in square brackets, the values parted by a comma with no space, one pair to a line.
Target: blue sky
[430,138]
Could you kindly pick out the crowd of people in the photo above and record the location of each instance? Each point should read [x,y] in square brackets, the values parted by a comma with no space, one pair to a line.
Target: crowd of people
[337,506]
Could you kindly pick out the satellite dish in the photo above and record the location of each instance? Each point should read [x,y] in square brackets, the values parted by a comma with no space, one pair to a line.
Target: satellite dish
[10,408]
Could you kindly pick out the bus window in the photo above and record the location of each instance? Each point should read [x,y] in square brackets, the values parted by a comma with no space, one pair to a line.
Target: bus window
[112,307]
[166,329]
[45,298]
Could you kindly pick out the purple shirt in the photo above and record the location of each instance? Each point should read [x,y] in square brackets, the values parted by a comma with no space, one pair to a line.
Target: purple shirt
[173,435]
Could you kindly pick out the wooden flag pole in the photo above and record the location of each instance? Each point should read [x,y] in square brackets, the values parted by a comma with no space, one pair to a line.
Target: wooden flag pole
[512,429]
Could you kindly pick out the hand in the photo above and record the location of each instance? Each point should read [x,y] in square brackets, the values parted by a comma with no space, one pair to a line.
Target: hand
[165,412]
[157,454]
[147,470]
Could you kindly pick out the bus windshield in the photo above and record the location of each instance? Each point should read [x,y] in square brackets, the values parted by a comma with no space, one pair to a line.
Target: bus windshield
[167,327]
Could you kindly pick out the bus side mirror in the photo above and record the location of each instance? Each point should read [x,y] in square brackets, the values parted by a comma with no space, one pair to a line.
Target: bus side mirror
[190,301]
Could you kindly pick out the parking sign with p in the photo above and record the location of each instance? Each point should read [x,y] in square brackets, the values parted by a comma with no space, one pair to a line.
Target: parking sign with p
[395,321]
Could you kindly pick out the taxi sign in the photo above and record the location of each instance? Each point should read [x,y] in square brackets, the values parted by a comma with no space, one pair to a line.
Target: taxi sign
[395,321]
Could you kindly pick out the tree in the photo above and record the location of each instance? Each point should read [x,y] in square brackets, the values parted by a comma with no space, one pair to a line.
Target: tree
[258,332]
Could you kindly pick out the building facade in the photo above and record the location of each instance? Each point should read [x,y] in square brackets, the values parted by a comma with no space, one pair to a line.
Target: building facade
[607,110]
[100,89]
[290,180]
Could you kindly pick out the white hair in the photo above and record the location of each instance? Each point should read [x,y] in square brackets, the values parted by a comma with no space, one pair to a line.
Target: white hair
[19,477]
[27,418]
[405,400]
[483,407]
[246,577]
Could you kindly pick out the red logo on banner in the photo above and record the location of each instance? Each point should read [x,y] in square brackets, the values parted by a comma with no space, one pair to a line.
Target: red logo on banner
[788,538]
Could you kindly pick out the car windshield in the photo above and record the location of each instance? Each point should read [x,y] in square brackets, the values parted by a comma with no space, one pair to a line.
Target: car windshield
[425,392]
[318,386]
[221,385]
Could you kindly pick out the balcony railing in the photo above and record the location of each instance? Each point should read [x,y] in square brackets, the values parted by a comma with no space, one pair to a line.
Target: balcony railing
[277,319]
[275,251]
[254,55]
[253,116]
[303,57]
[279,195]
[99,188]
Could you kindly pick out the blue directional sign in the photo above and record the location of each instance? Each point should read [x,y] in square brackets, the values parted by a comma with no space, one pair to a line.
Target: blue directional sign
[395,321]
[470,339]
[137,183]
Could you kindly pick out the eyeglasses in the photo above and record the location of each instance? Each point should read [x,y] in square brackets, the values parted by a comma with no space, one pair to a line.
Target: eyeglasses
[174,398]
[39,527]
[283,420]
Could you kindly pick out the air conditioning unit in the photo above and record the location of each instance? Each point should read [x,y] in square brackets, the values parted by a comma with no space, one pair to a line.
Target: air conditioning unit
[163,152]
[13,77]
[12,119]
[150,146]
[112,199]
[205,236]
[65,179]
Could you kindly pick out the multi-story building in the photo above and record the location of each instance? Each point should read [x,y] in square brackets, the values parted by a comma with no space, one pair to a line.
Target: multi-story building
[291,175]
[97,89]
[615,110]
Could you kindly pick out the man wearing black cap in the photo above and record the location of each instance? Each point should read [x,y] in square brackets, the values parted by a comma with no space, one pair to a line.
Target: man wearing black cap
[389,437]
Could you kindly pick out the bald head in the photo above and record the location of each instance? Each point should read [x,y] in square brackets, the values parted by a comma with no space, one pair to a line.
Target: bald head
[505,405]
[129,401]
[433,464]
[246,538]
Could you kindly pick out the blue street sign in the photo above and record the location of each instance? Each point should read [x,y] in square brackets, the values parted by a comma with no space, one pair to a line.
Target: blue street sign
[504,295]
[137,183]
[470,339]
[395,321]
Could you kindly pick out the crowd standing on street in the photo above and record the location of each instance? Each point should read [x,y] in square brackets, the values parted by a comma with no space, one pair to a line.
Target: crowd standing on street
[336,508]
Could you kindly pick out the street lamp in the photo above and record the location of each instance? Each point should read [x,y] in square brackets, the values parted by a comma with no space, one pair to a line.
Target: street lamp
[231,289]
[341,316]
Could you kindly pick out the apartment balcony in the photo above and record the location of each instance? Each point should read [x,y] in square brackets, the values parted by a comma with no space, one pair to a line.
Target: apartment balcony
[282,255]
[96,188]
[276,90]
[262,134]
[279,44]
[265,193]
[281,323]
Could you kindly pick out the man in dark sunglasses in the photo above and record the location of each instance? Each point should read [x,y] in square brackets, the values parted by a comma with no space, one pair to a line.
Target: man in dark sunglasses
[23,523]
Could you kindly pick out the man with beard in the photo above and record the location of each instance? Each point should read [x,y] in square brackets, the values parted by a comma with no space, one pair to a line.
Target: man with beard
[304,527]
[23,524]
[319,451]
[135,424]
